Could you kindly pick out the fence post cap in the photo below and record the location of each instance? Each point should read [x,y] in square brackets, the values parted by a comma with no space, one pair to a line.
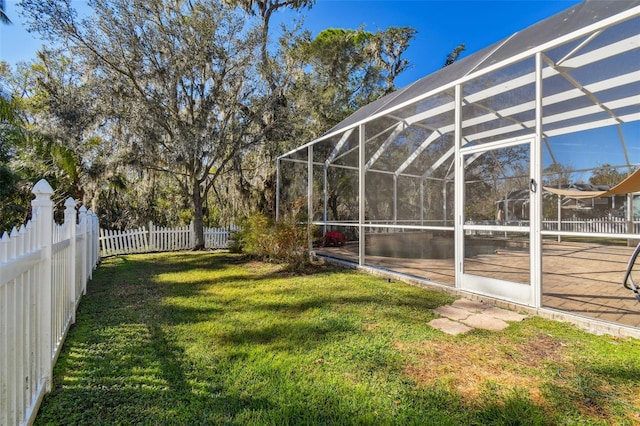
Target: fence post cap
[70,203]
[42,189]
[82,209]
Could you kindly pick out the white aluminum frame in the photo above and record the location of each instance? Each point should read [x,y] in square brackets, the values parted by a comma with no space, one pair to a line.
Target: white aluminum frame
[507,290]
[544,68]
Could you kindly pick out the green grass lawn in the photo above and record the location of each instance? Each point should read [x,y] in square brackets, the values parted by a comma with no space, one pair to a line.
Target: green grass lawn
[210,338]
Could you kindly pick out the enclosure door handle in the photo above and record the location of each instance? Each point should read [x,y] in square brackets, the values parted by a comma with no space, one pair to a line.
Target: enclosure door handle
[533,185]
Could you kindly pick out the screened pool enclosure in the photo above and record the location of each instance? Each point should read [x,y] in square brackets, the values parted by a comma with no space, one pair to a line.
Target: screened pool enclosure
[488,175]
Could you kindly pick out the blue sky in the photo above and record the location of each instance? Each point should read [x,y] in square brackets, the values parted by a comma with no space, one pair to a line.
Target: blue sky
[441,25]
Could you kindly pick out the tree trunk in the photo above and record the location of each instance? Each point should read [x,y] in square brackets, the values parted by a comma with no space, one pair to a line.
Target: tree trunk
[198,224]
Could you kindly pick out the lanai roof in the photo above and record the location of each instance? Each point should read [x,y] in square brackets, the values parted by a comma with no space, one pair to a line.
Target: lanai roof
[585,24]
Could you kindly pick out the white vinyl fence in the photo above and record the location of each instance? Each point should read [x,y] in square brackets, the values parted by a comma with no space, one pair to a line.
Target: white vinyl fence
[157,238]
[602,225]
[44,268]
[609,224]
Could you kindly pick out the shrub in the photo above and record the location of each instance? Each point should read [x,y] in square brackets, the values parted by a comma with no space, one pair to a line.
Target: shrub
[262,238]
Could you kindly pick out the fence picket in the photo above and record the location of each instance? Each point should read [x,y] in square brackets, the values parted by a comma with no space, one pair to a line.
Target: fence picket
[105,233]
[113,242]
[20,352]
[114,249]
[102,233]
[175,237]
[116,246]
[138,242]
[131,241]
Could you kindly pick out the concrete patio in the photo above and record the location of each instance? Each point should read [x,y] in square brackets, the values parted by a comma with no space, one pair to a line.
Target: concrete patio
[579,279]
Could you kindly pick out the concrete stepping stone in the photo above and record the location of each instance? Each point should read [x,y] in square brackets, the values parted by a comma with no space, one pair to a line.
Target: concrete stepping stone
[504,314]
[450,327]
[452,312]
[464,315]
[470,305]
[486,322]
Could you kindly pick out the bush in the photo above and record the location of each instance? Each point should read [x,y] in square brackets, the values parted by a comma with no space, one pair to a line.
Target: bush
[262,238]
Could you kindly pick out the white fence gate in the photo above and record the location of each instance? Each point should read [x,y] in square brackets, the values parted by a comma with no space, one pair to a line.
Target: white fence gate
[158,238]
[44,268]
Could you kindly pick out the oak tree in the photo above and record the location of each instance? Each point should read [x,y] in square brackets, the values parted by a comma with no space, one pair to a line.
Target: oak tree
[179,80]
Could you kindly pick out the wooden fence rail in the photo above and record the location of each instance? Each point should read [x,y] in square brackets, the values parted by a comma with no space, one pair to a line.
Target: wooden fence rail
[44,268]
[156,238]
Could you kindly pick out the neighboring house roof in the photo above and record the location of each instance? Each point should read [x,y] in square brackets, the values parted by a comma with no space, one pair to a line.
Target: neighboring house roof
[581,191]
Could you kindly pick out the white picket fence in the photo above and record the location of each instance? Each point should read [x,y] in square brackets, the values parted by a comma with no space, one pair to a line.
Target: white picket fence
[44,268]
[156,239]
[610,225]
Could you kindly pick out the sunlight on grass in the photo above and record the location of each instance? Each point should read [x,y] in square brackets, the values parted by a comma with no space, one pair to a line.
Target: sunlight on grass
[206,338]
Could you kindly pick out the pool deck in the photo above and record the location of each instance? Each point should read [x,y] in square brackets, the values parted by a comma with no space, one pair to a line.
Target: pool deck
[578,279]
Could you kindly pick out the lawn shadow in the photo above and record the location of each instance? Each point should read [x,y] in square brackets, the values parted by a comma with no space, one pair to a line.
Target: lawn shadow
[119,365]
[513,408]
[179,261]
[144,380]
[288,335]
[622,372]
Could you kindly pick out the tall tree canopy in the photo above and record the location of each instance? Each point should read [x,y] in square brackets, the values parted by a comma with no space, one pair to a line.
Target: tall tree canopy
[195,91]
[388,46]
[12,133]
[346,69]
[181,76]
[454,54]
[323,80]
[607,175]
[265,10]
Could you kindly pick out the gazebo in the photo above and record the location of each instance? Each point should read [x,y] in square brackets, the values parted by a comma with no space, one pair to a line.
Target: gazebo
[415,181]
